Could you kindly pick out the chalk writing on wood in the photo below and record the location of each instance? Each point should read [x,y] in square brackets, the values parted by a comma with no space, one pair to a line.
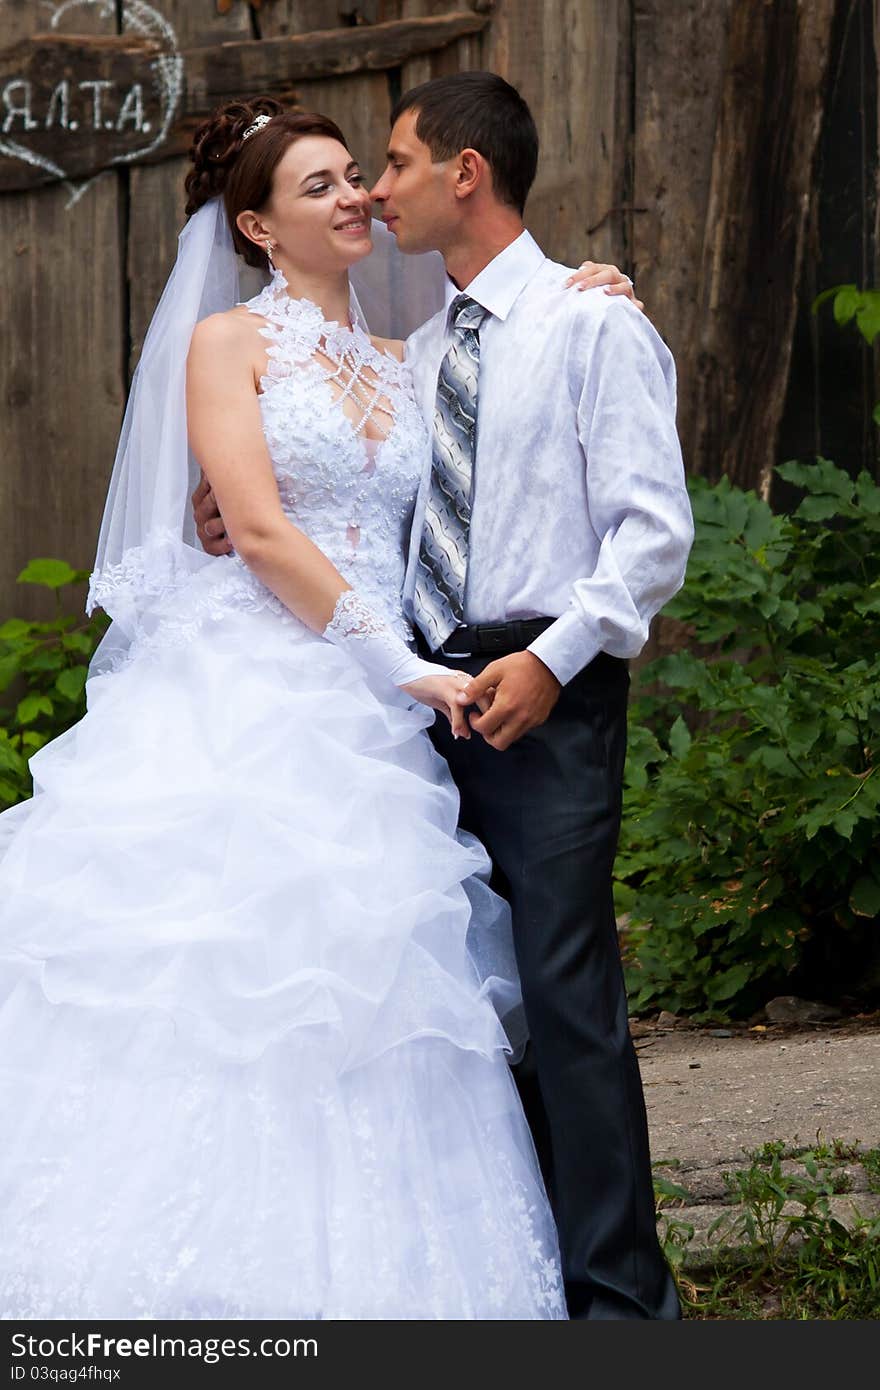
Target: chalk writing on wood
[64,96]
[72,105]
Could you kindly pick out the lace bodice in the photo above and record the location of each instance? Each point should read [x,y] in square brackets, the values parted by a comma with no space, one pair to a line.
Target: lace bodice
[348,480]
[351,493]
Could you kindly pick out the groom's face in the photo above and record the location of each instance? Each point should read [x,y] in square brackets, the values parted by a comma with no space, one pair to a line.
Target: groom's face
[416,196]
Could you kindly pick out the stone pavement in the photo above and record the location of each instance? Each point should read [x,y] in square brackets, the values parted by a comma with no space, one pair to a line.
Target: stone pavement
[710,1097]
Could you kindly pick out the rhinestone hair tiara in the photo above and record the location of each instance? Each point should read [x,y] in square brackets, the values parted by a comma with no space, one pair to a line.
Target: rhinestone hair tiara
[257,125]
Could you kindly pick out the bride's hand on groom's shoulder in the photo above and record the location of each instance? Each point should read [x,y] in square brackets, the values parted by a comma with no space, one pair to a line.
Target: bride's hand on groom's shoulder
[522,690]
[591,274]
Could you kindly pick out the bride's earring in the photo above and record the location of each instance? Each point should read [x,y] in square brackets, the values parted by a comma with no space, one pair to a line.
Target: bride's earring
[270,247]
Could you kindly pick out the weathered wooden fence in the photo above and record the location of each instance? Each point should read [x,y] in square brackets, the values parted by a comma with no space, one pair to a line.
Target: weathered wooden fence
[724,151]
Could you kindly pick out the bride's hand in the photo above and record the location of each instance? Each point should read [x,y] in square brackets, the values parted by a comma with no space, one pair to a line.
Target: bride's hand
[590,274]
[439,692]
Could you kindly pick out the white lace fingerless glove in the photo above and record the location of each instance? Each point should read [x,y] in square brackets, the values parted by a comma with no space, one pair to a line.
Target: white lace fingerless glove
[357,629]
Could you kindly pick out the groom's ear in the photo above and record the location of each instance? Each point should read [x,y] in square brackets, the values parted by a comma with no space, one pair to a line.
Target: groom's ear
[471,172]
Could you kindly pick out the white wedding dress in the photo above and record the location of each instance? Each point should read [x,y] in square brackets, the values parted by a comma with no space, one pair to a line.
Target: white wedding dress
[251,1059]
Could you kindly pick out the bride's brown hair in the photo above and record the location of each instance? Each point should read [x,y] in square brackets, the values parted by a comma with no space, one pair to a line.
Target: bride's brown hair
[241,171]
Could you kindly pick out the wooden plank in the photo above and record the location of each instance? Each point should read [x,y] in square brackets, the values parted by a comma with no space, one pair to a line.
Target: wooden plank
[153,193]
[21,18]
[679,56]
[463,56]
[569,59]
[285,18]
[76,106]
[762,167]
[359,104]
[274,64]
[61,377]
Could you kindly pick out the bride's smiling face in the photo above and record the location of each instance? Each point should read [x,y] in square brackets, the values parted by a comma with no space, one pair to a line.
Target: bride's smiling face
[318,214]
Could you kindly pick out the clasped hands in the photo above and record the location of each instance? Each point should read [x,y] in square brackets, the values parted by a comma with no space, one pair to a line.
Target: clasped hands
[513,694]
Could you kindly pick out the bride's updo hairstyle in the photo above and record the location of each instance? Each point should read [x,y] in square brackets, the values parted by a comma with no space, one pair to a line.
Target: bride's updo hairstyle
[240,170]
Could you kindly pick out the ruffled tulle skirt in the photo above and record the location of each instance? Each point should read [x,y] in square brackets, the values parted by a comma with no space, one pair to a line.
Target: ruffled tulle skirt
[256,1006]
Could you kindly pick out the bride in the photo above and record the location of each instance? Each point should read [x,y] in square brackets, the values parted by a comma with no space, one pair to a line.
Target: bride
[256,998]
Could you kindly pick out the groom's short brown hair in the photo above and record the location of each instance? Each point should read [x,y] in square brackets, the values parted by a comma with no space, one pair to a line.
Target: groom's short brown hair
[478,111]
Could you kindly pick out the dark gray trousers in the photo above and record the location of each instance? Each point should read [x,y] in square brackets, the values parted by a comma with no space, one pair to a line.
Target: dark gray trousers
[548,811]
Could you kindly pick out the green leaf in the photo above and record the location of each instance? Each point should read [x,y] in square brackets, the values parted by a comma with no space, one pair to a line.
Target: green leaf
[9,792]
[79,642]
[828,294]
[865,897]
[868,315]
[70,683]
[867,491]
[875,414]
[50,573]
[731,981]
[802,734]
[31,707]
[844,822]
[846,302]
[775,760]
[680,669]
[679,738]
[9,669]
[10,758]
[818,508]
[767,605]
[13,628]
[820,477]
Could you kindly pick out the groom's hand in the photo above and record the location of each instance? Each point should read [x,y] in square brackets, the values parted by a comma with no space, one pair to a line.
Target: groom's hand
[525,692]
[209,522]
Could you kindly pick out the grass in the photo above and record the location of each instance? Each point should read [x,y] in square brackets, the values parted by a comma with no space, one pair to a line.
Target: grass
[781,1251]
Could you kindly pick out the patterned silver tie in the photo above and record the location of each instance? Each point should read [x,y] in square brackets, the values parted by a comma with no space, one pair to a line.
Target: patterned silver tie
[443,553]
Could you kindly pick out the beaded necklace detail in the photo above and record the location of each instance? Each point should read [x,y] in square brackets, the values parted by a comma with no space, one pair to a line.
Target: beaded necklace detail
[357,369]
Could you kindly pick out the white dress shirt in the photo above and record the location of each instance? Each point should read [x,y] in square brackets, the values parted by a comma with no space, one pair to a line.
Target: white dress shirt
[579,509]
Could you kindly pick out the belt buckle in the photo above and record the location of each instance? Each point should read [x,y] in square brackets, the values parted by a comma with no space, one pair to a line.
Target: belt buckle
[444,648]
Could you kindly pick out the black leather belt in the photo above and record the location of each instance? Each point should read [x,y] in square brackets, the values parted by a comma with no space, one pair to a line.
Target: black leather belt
[492,639]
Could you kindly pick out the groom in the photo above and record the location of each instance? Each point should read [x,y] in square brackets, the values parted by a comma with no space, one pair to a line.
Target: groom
[553,525]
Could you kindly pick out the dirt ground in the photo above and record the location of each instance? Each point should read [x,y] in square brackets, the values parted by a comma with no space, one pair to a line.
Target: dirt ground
[709,1097]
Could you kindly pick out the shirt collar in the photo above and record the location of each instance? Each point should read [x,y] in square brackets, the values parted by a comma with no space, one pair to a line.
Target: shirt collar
[502,281]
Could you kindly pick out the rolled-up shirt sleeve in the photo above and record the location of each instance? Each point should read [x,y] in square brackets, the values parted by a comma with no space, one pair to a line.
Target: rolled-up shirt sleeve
[637,501]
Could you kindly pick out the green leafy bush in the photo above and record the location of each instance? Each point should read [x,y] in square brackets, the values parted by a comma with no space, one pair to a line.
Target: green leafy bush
[43,669]
[750,833]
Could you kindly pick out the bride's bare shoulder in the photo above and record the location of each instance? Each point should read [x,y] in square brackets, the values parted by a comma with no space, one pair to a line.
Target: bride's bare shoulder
[233,335]
[232,325]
